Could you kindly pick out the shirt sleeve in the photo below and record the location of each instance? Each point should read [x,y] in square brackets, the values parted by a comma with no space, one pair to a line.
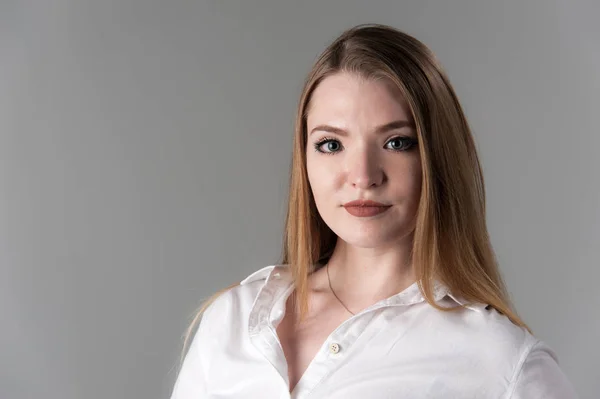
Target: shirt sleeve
[540,377]
[191,381]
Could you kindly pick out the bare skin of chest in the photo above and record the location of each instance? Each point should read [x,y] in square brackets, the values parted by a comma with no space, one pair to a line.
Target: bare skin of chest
[301,342]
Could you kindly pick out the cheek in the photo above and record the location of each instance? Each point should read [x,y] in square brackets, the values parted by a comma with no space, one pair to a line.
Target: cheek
[416,182]
[314,180]
[319,188]
[322,178]
[408,184]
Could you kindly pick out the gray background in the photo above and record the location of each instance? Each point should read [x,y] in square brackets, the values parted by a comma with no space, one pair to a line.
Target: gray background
[144,157]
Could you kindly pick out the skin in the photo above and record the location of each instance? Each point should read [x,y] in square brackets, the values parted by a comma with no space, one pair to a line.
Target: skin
[371,258]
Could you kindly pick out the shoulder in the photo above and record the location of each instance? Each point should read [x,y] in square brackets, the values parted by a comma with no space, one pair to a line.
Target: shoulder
[538,375]
[494,342]
[221,325]
[486,331]
[226,320]
[239,299]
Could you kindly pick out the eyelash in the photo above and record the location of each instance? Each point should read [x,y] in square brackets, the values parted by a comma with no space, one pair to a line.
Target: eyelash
[411,144]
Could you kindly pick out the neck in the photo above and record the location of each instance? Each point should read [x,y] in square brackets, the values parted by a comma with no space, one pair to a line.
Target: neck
[363,276]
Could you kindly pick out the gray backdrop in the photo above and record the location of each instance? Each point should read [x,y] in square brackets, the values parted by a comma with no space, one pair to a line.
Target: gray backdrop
[144,156]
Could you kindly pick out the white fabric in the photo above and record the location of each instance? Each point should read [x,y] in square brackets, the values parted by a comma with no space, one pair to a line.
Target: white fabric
[400,347]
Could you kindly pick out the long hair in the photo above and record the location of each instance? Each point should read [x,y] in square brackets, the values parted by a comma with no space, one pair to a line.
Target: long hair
[451,240]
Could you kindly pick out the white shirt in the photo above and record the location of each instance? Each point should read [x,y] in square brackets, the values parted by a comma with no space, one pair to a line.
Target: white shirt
[400,347]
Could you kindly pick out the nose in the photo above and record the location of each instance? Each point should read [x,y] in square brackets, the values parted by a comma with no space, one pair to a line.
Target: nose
[364,168]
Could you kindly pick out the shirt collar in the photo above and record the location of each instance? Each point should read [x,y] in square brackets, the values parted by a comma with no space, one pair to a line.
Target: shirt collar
[278,279]
[280,275]
[260,274]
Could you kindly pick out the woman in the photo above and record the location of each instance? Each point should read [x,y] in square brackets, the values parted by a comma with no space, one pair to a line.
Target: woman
[388,286]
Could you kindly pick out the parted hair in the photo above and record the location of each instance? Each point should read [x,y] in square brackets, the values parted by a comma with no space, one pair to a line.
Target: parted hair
[451,241]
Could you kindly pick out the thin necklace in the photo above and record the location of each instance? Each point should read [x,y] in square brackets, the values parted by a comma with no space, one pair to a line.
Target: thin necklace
[334,294]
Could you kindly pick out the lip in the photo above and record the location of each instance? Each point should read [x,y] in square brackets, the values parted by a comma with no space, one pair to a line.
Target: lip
[364,203]
[365,208]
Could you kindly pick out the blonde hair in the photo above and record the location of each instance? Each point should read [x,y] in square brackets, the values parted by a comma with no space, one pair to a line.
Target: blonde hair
[451,241]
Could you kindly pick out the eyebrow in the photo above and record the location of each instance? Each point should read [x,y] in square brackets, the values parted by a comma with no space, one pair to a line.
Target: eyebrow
[380,129]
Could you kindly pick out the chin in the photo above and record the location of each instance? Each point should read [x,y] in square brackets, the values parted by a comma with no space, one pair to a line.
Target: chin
[363,242]
[366,236]
[371,233]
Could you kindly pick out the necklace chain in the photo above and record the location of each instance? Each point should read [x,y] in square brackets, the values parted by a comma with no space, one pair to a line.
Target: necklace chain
[334,294]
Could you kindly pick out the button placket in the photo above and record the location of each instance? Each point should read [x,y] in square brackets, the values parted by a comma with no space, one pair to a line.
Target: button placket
[337,347]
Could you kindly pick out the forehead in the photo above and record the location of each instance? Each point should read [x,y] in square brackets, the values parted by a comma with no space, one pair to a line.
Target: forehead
[357,100]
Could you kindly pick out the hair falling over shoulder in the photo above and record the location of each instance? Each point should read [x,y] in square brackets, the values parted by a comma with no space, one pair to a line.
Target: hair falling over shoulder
[451,240]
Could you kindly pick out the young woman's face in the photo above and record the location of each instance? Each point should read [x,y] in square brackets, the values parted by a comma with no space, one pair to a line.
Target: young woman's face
[362,145]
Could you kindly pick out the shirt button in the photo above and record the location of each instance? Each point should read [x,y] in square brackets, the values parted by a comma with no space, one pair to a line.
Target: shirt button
[334,348]
[276,275]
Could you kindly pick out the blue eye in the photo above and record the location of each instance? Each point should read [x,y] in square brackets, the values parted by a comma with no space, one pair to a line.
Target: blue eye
[401,143]
[331,146]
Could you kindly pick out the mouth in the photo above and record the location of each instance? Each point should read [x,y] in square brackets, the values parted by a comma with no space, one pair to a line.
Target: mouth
[365,208]
[364,203]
